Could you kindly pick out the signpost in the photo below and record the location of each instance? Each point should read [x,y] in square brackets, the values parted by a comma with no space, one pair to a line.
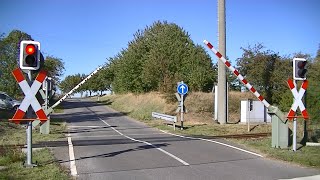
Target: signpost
[30,99]
[182,89]
[30,61]
[299,74]
[297,102]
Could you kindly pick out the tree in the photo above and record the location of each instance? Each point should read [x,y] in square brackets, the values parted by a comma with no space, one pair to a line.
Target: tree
[157,58]
[55,67]
[70,82]
[9,60]
[313,91]
[265,70]
[103,80]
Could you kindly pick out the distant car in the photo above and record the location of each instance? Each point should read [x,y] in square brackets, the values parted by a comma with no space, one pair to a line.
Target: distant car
[7,102]
[4,104]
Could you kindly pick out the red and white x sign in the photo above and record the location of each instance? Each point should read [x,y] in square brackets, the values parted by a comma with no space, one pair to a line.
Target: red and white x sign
[298,99]
[30,93]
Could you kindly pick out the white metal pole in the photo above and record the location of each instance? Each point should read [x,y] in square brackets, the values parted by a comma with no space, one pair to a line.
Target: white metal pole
[294,141]
[249,118]
[29,131]
[216,103]
[47,93]
[294,146]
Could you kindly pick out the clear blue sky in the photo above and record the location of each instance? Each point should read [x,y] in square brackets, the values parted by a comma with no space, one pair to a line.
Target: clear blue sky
[85,32]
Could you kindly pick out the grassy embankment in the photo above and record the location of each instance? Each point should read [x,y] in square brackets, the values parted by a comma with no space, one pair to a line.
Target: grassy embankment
[11,159]
[198,121]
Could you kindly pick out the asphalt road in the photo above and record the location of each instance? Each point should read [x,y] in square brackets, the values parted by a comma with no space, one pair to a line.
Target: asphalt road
[105,144]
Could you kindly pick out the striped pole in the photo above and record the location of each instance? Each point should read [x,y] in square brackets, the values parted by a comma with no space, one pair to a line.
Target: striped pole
[236,73]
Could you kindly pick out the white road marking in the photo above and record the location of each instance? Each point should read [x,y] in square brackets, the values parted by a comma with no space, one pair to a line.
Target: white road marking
[73,167]
[305,178]
[223,144]
[166,152]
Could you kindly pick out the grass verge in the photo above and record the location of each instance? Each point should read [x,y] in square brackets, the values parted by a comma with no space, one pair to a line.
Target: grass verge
[11,159]
[305,155]
[13,134]
[47,168]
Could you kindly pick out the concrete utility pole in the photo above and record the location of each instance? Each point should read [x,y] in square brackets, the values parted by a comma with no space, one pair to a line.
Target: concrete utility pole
[222,78]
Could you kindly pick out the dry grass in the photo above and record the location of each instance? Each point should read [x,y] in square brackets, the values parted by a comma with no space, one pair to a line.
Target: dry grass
[200,105]
[139,106]
[199,118]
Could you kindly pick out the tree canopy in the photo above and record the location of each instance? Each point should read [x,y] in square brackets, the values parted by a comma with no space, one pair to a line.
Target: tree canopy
[158,58]
[313,92]
[70,82]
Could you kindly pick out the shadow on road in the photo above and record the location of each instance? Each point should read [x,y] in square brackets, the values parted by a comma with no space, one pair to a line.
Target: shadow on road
[87,116]
[94,129]
[113,141]
[77,103]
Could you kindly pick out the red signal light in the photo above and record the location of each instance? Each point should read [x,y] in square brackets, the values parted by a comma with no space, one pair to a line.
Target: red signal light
[30,49]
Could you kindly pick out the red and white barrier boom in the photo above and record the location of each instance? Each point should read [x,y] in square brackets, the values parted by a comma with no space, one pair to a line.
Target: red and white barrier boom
[50,109]
[30,98]
[298,100]
[273,109]
[236,72]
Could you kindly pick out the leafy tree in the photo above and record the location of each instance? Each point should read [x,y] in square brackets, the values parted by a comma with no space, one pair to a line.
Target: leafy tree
[70,82]
[9,60]
[54,66]
[103,80]
[157,58]
[99,82]
[266,71]
[313,91]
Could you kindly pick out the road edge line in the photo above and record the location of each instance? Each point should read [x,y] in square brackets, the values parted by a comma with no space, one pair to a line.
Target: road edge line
[73,167]
[209,140]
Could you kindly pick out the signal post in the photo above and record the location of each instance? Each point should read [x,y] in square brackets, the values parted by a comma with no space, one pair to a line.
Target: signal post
[299,74]
[29,61]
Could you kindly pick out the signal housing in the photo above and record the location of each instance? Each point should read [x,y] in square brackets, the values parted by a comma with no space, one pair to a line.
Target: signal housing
[29,55]
[299,69]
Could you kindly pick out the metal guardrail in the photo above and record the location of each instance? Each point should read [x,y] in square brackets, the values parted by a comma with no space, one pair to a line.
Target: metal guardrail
[165,117]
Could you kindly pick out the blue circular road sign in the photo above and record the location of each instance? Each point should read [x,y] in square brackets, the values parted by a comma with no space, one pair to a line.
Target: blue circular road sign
[182,89]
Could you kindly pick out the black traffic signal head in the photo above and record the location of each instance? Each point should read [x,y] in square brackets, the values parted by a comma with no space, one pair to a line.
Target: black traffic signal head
[299,69]
[29,55]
